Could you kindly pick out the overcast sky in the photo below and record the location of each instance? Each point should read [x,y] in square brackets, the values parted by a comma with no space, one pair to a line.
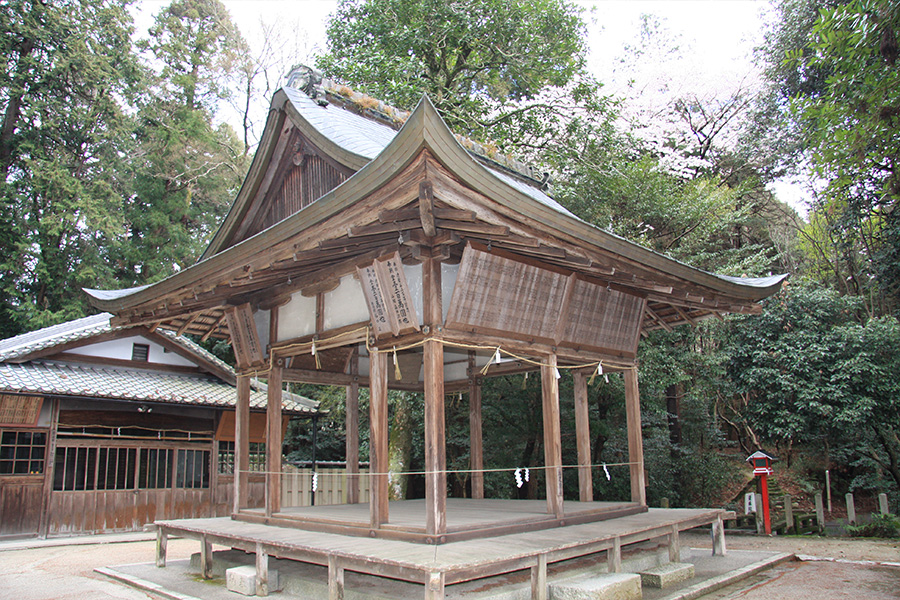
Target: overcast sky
[714,41]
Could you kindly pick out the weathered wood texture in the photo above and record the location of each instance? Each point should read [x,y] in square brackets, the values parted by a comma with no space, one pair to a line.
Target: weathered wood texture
[635,437]
[351,429]
[435,444]
[378,439]
[242,444]
[333,487]
[583,438]
[273,440]
[512,298]
[552,437]
[476,442]
[453,563]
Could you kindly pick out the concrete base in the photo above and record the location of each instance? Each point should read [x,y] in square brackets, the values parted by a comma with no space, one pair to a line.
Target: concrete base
[614,586]
[667,575]
[243,580]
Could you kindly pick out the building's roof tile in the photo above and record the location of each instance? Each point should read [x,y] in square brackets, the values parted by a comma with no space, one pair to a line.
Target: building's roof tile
[115,383]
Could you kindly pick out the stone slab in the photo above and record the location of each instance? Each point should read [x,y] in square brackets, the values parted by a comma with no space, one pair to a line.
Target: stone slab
[613,586]
[667,575]
[243,580]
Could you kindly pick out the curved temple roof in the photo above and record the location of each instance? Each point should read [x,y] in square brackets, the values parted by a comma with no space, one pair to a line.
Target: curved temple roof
[377,153]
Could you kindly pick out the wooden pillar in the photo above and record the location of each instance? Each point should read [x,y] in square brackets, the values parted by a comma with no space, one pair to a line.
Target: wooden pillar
[241,443]
[262,570]
[635,439]
[552,437]
[50,468]
[162,539]
[335,579]
[351,418]
[539,578]
[274,439]
[435,448]
[476,442]
[583,438]
[435,437]
[378,438]
[206,557]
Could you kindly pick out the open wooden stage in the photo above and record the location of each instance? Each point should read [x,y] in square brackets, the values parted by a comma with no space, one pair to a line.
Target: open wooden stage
[441,565]
[466,518]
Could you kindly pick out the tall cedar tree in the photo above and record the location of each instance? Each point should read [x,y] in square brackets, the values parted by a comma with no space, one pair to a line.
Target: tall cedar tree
[68,66]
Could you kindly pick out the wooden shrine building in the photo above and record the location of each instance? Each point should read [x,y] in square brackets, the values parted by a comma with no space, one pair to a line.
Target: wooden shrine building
[373,247]
[106,428]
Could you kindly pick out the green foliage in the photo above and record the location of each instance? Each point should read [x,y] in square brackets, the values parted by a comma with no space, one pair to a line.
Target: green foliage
[68,69]
[837,62]
[199,47]
[488,65]
[812,370]
[881,526]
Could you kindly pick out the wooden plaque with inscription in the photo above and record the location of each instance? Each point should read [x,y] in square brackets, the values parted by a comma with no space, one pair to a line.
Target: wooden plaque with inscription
[244,337]
[387,294]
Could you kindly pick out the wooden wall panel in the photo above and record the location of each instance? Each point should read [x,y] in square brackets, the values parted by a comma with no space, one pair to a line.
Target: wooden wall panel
[495,294]
[20,505]
[596,313]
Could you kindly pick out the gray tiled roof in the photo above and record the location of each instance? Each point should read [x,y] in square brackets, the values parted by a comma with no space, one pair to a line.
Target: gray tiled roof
[367,138]
[91,381]
[350,131]
[59,378]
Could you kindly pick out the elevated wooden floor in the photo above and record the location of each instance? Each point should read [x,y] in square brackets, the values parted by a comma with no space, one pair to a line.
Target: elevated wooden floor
[466,518]
[441,565]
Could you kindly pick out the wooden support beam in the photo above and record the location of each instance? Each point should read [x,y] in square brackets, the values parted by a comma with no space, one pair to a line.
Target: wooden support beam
[335,579]
[435,444]
[539,578]
[273,439]
[435,426]
[614,556]
[242,444]
[434,587]
[635,438]
[378,439]
[583,438]
[476,442]
[206,557]
[426,208]
[552,438]
[658,319]
[674,545]
[262,570]
[351,427]
[718,537]
[162,539]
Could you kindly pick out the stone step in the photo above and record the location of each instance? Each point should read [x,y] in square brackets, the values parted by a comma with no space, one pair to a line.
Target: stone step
[667,575]
[613,586]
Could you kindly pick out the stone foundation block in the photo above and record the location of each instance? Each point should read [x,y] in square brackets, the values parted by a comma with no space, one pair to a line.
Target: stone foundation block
[614,586]
[243,580]
[667,575]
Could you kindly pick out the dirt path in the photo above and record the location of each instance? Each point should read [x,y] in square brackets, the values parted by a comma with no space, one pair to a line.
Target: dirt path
[66,572]
[885,551]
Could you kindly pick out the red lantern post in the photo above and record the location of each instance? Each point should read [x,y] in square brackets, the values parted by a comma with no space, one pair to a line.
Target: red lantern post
[762,466]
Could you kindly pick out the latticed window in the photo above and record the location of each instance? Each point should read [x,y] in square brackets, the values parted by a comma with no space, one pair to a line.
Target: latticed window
[80,468]
[22,452]
[257,458]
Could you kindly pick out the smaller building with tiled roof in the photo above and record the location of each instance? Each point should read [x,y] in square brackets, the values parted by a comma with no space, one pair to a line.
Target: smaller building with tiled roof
[106,428]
